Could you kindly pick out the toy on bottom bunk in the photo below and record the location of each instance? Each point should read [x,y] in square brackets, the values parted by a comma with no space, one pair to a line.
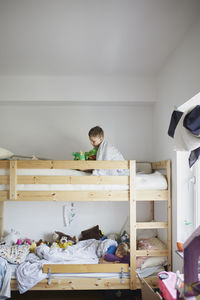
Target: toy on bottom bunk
[11,238]
[91,233]
[29,242]
[63,240]
[124,237]
[119,254]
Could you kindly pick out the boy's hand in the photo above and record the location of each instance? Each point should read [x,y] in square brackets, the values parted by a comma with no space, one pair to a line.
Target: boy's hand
[92,157]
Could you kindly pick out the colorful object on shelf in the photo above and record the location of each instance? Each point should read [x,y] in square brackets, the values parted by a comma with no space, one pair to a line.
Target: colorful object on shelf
[78,155]
[180,246]
[91,155]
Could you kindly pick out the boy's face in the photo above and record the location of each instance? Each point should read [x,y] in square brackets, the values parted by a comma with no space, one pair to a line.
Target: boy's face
[118,253]
[95,140]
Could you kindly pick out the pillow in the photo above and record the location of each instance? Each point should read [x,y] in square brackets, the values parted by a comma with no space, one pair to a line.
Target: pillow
[5,153]
[152,244]
[154,261]
[14,254]
[91,233]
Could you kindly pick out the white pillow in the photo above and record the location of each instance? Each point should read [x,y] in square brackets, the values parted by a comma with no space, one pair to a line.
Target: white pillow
[5,153]
[154,261]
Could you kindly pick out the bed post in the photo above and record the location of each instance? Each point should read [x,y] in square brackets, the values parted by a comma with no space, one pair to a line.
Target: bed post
[132,185]
[13,180]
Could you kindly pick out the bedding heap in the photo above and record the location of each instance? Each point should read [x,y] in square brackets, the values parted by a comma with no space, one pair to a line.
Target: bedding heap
[29,266]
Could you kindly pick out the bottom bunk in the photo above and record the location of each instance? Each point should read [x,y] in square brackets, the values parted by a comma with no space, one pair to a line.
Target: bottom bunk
[58,269]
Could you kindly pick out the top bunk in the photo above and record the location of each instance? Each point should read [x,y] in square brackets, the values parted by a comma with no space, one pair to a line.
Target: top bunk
[54,180]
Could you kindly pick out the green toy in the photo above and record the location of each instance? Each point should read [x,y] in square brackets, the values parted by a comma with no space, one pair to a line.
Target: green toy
[78,155]
[91,155]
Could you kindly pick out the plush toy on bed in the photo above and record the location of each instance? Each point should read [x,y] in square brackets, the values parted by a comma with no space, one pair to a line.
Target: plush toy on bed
[91,155]
[11,238]
[64,242]
[78,155]
[62,238]
[91,233]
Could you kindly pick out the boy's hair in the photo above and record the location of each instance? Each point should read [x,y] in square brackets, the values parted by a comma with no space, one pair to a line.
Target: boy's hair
[96,131]
[123,248]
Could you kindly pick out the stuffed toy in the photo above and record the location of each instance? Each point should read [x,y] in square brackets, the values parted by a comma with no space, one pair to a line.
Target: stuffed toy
[78,155]
[11,238]
[60,236]
[91,233]
[33,246]
[41,242]
[91,155]
[64,243]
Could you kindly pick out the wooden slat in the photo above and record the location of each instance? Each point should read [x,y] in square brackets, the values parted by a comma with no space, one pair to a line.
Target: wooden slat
[151,252]
[85,268]
[4,195]
[27,179]
[156,195]
[132,225]
[71,164]
[13,179]
[72,196]
[4,179]
[4,164]
[150,225]
[159,165]
[71,283]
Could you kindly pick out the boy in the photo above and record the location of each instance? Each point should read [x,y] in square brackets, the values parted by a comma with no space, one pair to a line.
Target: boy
[121,255]
[105,151]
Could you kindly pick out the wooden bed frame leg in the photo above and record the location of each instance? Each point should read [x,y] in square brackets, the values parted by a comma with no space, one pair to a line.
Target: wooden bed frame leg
[132,200]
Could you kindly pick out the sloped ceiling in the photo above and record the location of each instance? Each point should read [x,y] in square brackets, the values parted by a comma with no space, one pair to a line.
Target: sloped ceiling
[91,37]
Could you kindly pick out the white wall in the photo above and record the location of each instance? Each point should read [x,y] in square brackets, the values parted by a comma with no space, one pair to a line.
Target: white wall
[77,88]
[177,83]
[55,131]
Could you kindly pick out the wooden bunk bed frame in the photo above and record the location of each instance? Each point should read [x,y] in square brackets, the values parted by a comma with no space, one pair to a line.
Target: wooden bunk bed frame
[132,195]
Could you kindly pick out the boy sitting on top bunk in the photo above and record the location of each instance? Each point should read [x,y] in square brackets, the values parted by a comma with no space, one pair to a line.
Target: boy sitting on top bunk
[105,151]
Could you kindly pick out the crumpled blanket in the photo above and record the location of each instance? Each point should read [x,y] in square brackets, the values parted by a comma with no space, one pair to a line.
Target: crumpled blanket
[5,277]
[30,273]
[109,152]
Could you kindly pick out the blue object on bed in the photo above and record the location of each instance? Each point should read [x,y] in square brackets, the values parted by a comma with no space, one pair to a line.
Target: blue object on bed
[111,249]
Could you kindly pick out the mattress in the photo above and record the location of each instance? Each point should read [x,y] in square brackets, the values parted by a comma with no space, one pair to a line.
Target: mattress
[153,181]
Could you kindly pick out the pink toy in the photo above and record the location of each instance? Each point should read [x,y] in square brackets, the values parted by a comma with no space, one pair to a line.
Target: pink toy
[19,242]
[167,281]
[27,241]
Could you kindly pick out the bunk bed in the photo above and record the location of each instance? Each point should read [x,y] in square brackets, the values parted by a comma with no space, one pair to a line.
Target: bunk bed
[130,194]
